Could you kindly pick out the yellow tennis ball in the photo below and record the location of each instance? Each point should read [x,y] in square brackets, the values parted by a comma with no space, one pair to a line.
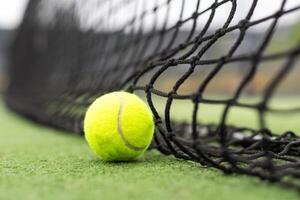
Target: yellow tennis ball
[118,126]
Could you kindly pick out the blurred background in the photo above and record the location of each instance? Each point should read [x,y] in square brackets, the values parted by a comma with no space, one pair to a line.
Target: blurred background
[287,34]
[11,13]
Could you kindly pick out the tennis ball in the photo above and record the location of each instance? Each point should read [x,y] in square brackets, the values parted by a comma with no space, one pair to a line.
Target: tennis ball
[118,126]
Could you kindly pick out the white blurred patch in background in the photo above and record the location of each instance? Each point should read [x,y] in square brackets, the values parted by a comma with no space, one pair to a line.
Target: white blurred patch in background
[11,13]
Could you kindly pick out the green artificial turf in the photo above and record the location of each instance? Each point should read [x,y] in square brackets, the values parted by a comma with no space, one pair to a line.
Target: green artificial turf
[37,162]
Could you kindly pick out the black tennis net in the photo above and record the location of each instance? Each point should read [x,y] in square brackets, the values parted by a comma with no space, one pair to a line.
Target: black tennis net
[186,58]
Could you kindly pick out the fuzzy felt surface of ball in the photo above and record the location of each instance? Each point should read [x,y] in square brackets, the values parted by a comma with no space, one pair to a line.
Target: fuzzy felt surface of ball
[118,126]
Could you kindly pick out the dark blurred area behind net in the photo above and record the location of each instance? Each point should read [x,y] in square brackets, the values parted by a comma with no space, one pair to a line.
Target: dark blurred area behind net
[6,37]
[221,79]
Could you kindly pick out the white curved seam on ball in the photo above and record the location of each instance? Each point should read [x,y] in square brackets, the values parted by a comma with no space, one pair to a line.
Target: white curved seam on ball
[120,131]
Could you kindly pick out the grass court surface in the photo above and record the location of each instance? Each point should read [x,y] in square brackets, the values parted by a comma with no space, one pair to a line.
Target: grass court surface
[38,162]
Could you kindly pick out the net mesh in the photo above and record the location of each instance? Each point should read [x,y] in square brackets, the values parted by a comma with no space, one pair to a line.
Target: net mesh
[188,59]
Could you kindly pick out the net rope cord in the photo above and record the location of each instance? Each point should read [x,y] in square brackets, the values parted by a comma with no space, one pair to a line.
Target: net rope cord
[67,53]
